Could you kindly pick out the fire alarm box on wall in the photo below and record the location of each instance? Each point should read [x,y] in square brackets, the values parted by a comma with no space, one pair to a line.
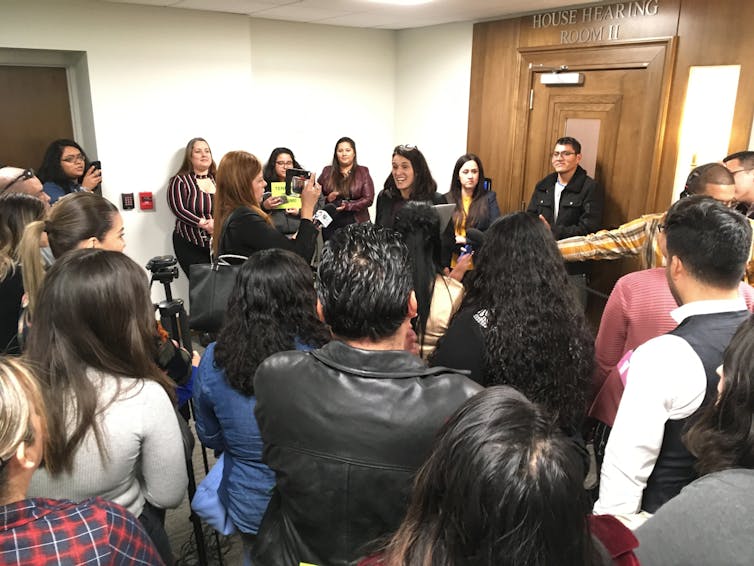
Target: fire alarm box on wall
[146,202]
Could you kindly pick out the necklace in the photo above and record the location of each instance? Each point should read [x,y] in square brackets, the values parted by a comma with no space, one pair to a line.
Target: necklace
[202,176]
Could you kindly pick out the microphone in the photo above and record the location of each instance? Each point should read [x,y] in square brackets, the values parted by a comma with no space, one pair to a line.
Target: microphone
[324,216]
[474,237]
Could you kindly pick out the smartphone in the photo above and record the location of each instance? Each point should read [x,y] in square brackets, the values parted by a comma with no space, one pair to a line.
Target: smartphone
[295,181]
[96,164]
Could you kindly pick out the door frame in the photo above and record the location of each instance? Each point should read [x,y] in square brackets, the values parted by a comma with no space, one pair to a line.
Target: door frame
[655,198]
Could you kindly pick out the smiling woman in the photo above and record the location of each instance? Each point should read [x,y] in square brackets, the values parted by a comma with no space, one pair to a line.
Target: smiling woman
[410,179]
[191,198]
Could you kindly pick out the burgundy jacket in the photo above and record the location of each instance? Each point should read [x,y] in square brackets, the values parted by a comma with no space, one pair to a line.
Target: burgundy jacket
[362,191]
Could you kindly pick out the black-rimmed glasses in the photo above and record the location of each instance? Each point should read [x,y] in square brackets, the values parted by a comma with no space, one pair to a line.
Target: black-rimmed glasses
[27,174]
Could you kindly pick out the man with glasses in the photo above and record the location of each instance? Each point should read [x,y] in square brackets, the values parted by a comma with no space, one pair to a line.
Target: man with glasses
[569,200]
[741,166]
[16,180]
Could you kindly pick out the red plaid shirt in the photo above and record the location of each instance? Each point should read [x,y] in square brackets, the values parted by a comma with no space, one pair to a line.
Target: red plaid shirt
[46,531]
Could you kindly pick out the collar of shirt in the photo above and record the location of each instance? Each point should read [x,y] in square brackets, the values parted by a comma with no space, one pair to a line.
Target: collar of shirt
[707,307]
[19,513]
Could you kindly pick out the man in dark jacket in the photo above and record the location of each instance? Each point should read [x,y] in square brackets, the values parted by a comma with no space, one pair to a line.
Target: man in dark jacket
[569,200]
[346,427]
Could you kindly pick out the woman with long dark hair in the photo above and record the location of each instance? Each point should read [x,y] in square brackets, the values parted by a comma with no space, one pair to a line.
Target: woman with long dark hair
[191,198]
[272,309]
[16,211]
[113,430]
[475,207]
[719,503]
[347,185]
[66,169]
[438,296]
[410,180]
[519,324]
[501,487]
[242,226]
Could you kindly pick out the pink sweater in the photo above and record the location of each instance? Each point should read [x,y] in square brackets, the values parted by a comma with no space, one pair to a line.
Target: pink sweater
[638,309]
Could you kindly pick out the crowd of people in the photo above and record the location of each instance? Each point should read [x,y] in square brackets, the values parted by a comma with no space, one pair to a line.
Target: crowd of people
[421,389]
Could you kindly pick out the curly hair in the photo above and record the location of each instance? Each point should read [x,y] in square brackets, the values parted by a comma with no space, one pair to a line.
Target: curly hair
[723,436]
[271,308]
[536,337]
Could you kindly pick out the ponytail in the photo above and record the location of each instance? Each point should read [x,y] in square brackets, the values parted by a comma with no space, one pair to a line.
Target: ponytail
[30,256]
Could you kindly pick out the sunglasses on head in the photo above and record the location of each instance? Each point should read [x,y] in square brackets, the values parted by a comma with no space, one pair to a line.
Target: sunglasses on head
[27,174]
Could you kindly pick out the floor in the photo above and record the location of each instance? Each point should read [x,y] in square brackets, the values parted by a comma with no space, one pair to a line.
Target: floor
[180,529]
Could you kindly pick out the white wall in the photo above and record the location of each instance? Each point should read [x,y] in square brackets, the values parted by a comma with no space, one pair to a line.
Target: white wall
[160,76]
[432,94]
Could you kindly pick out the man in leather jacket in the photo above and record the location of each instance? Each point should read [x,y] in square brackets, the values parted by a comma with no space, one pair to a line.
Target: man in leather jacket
[346,427]
[569,200]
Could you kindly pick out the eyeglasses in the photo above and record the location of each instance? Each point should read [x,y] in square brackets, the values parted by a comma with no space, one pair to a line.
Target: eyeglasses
[405,147]
[556,154]
[27,174]
[73,158]
[734,173]
[284,163]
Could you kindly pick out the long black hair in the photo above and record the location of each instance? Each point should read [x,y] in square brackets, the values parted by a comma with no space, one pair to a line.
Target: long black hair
[502,487]
[723,437]
[419,224]
[271,307]
[95,313]
[339,182]
[536,337]
[478,211]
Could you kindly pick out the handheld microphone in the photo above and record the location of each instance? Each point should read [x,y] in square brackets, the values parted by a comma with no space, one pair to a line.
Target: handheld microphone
[324,216]
[474,237]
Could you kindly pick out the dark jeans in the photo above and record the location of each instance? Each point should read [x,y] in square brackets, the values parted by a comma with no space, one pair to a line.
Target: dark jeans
[153,521]
[189,253]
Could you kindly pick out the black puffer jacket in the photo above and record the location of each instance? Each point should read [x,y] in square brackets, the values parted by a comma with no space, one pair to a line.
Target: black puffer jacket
[344,431]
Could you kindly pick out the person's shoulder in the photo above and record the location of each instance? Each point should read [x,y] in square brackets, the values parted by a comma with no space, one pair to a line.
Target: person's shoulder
[438,198]
[546,181]
[282,363]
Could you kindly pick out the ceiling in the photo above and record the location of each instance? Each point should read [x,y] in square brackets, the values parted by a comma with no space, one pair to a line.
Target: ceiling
[397,14]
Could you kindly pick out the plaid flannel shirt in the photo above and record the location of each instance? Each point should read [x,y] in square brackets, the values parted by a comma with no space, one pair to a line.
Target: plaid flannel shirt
[95,531]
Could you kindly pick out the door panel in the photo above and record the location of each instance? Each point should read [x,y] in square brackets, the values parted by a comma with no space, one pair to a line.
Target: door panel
[625,89]
[35,111]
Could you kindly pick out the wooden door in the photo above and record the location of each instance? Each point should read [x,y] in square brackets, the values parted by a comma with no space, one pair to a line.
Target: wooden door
[616,114]
[35,110]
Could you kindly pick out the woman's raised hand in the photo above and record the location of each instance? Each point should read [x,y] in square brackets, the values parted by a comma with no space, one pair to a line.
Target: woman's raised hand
[309,197]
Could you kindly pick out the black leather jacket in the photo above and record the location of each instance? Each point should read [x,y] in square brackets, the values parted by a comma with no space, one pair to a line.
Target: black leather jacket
[344,430]
[581,204]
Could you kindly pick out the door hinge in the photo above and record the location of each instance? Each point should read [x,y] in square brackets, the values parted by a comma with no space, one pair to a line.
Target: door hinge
[531,99]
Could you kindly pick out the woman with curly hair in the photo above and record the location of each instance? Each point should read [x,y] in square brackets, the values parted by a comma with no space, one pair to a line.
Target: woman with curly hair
[519,324]
[719,503]
[410,180]
[272,309]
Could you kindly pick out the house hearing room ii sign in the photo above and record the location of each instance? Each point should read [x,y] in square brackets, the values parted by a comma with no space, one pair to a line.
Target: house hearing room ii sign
[593,24]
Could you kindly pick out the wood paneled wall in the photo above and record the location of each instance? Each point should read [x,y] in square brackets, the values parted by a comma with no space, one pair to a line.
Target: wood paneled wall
[709,33]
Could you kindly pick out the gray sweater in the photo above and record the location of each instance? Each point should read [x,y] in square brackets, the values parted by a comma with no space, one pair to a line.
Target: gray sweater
[145,457]
[710,523]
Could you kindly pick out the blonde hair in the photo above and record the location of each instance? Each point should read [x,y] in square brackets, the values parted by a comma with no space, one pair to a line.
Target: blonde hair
[235,174]
[16,211]
[20,398]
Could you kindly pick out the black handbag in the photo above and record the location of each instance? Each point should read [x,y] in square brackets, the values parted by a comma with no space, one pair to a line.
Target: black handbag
[210,285]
